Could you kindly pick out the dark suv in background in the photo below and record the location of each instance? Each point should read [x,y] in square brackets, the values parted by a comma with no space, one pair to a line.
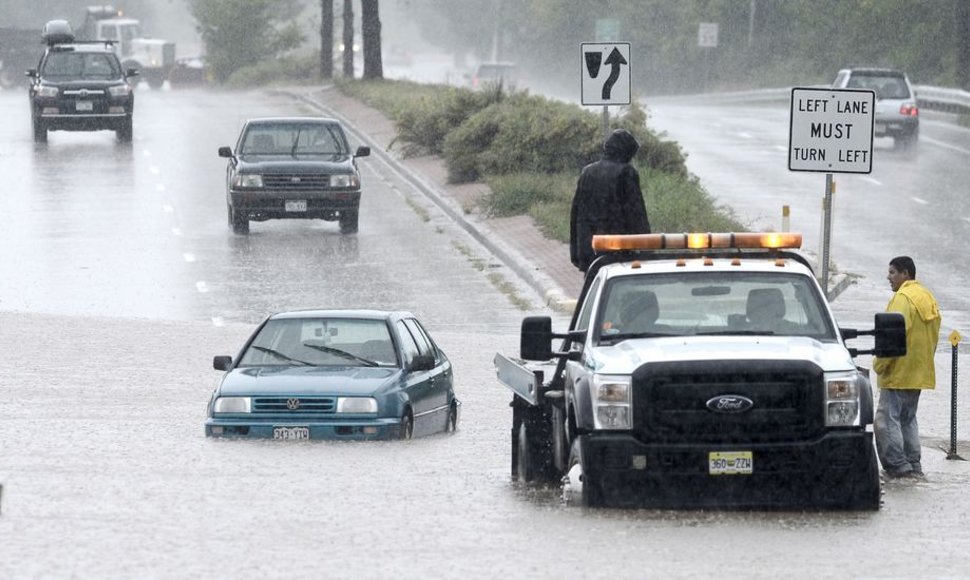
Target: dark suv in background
[79,86]
[896,114]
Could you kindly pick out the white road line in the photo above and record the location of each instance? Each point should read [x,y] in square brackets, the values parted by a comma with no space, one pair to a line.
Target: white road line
[920,201]
[932,141]
[167,208]
[201,286]
[871,180]
[176,232]
[160,187]
[155,170]
[966,219]
[218,321]
[188,257]
[744,135]
[781,148]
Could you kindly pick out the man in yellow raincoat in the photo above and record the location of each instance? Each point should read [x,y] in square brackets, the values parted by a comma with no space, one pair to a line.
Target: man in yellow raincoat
[902,379]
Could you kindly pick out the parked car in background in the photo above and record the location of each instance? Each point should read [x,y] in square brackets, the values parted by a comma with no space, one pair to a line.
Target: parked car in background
[335,374]
[896,114]
[292,168]
[506,73]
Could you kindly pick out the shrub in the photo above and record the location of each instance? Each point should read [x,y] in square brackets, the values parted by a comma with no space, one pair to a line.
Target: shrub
[284,69]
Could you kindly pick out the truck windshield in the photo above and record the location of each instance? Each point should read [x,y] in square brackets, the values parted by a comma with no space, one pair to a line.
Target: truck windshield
[696,304]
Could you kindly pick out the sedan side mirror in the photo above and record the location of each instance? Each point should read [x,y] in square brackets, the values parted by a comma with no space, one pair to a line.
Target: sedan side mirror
[221,363]
[225,152]
[362,151]
[422,362]
[32,73]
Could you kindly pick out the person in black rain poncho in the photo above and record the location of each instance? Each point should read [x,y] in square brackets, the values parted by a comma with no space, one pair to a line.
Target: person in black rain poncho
[608,199]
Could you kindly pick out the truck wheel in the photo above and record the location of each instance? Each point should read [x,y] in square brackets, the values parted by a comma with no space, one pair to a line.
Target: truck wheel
[40,131]
[239,223]
[582,485]
[125,132]
[525,466]
[348,221]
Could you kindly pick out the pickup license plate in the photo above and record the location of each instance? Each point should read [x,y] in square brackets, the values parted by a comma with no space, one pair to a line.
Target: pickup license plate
[730,463]
[84,106]
[295,205]
[291,433]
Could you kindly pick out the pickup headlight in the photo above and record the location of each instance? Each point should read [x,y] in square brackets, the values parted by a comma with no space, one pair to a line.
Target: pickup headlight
[45,91]
[344,180]
[119,91]
[247,180]
[611,397]
[356,405]
[843,399]
[232,405]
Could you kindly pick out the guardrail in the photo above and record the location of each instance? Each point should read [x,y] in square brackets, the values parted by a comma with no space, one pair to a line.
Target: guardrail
[927,97]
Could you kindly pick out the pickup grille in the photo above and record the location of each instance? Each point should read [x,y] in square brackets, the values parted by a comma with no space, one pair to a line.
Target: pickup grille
[301,405]
[294,181]
[670,401]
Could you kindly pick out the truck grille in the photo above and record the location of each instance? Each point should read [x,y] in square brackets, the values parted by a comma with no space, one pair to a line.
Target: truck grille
[294,181]
[670,401]
[301,405]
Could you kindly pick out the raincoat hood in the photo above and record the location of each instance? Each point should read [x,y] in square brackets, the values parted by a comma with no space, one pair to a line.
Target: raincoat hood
[621,146]
[921,300]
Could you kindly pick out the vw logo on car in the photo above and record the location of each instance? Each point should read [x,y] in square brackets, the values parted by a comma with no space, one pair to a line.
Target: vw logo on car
[293,404]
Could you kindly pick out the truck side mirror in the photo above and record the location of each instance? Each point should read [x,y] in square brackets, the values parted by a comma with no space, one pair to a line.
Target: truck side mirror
[225,152]
[362,151]
[536,340]
[221,363]
[890,335]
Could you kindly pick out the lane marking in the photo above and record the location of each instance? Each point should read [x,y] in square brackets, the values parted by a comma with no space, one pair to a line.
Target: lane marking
[871,180]
[218,321]
[154,170]
[176,232]
[160,187]
[201,286]
[932,141]
[781,148]
[188,257]
[167,208]
[744,135]
[920,201]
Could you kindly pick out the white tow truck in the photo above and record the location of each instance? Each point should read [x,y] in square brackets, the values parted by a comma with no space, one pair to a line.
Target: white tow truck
[154,58]
[699,370]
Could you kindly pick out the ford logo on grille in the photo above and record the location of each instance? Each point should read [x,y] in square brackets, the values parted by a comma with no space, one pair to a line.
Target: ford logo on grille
[730,404]
[295,179]
[293,404]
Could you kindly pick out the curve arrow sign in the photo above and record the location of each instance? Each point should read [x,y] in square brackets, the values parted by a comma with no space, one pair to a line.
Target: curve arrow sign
[615,60]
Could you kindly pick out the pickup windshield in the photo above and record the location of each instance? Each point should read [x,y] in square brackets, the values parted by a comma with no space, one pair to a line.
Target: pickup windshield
[716,303]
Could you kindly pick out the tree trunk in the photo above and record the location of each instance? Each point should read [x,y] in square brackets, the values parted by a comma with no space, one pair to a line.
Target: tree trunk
[963,44]
[370,24]
[326,39]
[348,39]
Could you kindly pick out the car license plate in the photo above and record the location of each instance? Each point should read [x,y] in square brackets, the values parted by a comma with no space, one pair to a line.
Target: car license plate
[730,463]
[83,106]
[295,205]
[291,433]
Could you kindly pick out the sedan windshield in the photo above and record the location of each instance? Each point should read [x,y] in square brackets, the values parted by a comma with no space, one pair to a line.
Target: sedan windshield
[294,139]
[711,304]
[322,342]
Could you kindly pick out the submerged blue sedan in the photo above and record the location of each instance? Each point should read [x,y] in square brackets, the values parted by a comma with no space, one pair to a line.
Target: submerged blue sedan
[335,374]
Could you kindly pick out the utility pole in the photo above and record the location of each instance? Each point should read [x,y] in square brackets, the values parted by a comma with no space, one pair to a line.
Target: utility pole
[348,39]
[326,39]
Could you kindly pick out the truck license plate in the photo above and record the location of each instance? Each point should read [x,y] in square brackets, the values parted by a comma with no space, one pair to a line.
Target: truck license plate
[291,433]
[83,106]
[730,463]
[296,205]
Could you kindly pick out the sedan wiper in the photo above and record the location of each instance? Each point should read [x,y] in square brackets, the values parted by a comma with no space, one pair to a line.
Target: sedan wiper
[342,354]
[280,355]
[296,141]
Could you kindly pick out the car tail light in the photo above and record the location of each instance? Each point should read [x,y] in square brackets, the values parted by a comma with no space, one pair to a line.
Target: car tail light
[909,109]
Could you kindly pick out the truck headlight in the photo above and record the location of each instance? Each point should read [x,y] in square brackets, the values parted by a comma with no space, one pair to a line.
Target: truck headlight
[232,405]
[356,405]
[45,91]
[248,180]
[611,397]
[344,180]
[842,399]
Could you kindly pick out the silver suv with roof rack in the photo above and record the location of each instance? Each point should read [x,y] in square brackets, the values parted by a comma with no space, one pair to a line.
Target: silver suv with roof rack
[79,86]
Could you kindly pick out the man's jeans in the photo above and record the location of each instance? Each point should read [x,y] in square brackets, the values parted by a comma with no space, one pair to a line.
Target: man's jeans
[897,434]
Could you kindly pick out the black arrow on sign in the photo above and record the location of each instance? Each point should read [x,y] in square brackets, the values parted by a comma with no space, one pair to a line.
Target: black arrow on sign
[616,60]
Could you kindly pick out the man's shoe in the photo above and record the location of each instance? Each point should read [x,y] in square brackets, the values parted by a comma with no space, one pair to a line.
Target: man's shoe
[898,473]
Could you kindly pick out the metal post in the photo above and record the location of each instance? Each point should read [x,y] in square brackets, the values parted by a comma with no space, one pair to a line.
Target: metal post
[606,121]
[827,230]
[785,218]
[952,453]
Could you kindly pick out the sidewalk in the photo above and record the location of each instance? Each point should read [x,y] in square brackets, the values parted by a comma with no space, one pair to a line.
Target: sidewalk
[542,263]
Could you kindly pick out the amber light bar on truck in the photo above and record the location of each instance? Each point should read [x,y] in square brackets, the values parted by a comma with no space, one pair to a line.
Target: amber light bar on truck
[697,241]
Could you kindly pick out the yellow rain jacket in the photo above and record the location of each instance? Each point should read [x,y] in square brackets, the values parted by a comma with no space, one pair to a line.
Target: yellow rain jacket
[916,370]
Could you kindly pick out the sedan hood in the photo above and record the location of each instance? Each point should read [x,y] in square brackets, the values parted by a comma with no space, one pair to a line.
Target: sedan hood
[305,381]
[288,164]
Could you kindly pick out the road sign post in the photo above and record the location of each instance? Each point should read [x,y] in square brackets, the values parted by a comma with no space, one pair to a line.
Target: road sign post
[830,131]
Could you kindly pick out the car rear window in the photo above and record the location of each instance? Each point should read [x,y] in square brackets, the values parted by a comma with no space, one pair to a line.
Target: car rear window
[886,85]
